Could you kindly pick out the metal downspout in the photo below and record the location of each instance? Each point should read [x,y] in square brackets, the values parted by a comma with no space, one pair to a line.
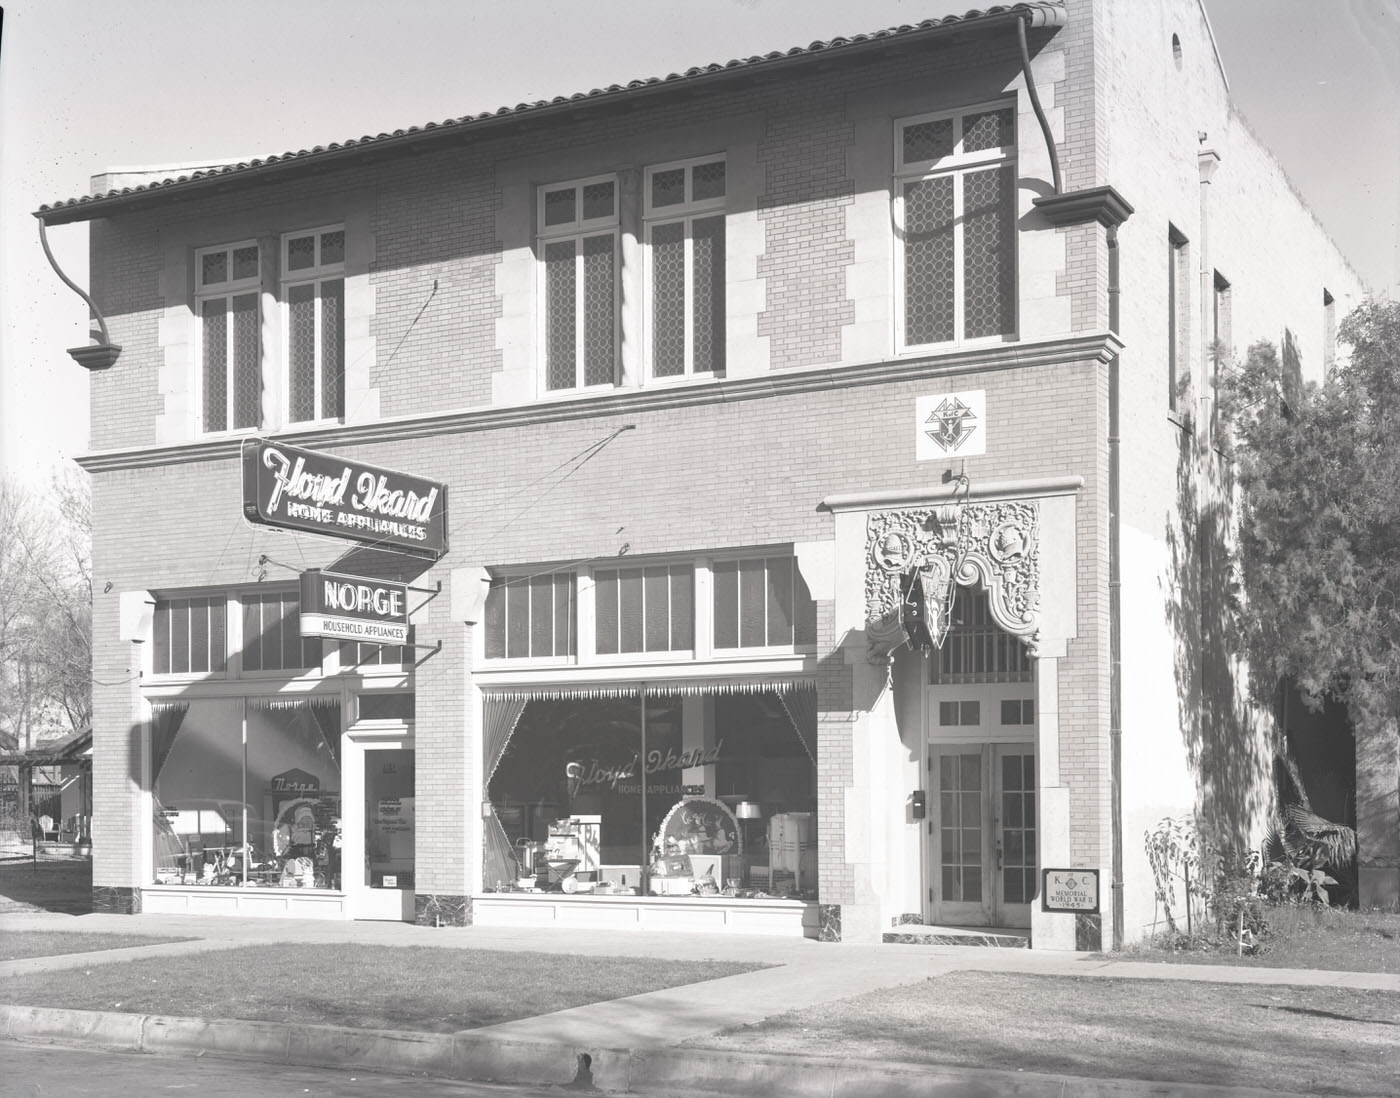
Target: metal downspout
[1115,607]
[1035,104]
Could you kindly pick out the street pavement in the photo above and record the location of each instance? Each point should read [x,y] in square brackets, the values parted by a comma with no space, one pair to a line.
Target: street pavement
[629,1045]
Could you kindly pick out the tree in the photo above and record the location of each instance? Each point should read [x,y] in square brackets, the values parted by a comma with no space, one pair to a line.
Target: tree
[1318,470]
[45,611]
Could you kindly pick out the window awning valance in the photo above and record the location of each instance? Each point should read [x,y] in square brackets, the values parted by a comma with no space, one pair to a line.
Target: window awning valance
[659,688]
[504,705]
[304,701]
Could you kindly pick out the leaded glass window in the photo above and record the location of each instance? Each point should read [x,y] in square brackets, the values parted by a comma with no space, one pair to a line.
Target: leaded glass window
[956,204]
[314,290]
[231,369]
[578,247]
[685,228]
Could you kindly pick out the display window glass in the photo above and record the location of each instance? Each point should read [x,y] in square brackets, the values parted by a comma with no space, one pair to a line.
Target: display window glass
[246,794]
[658,795]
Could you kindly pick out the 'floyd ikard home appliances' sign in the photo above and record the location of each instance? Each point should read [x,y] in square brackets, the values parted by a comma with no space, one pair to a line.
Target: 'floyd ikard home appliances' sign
[353,608]
[298,489]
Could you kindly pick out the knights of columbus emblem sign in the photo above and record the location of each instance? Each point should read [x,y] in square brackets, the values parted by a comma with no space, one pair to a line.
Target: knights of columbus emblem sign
[951,425]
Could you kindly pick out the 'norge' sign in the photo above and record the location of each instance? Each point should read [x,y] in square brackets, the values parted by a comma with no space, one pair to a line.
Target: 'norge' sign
[298,489]
[353,608]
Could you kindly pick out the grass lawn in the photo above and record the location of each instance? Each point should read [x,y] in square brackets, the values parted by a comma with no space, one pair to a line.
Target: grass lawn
[1307,937]
[18,944]
[53,884]
[1309,1040]
[371,987]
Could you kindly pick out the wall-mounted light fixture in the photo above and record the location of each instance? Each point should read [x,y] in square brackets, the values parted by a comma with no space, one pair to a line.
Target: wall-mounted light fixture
[96,356]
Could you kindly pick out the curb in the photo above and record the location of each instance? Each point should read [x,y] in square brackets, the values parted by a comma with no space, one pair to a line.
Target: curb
[472,1057]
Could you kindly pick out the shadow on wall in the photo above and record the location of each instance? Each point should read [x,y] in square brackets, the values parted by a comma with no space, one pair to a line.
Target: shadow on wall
[1229,758]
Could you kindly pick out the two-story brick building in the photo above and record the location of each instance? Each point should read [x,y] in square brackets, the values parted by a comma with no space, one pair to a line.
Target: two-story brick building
[734,381]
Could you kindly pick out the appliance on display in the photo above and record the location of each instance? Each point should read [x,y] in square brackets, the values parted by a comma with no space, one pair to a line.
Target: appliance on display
[792,847]
[574,845]
[745,811]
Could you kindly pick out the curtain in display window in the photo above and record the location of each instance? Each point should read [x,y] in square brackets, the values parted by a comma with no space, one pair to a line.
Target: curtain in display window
[800,704]
[502,714]
[166,718]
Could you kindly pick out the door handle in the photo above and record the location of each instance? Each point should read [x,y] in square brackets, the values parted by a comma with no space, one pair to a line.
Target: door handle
[998,853]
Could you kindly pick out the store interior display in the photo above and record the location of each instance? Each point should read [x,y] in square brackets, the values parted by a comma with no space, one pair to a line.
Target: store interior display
[593,797]
[267,819]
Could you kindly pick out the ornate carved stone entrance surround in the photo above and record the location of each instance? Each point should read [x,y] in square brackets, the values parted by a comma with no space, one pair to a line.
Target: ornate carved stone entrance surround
[995,544]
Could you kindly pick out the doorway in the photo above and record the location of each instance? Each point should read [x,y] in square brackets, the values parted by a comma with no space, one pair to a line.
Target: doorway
[379,862]
[981,861]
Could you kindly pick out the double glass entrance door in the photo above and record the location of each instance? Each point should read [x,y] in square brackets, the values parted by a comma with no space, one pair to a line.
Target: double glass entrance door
[982,832]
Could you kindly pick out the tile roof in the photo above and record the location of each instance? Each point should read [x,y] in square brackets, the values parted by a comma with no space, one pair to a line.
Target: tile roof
[1037,13]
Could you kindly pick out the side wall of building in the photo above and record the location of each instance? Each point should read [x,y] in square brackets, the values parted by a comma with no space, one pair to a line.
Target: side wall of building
[1252,263]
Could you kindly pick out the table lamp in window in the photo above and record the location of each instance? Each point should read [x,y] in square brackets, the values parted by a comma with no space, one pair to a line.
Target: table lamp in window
[745,811]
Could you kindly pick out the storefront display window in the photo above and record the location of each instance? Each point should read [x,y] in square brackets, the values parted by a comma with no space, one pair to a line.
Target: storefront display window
[247,793]
[634,794]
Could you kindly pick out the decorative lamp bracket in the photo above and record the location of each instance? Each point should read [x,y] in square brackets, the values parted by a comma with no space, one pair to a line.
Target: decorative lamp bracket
[101,354]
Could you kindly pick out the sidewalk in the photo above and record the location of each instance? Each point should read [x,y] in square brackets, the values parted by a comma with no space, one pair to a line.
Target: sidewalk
[622,1045]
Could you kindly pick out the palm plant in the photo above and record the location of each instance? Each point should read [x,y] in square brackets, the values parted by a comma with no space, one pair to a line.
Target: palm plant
[1301,846]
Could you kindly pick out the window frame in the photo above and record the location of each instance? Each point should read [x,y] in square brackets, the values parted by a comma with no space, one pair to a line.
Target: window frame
[225,671]
[643,655]
[1221,340]
[704,650]
[578,231]
[227,291]
[957,165]
[686,212]
[575,625]
[233,602]
[242,601]
[316,275]
[1178,321]
[740,651]
[1329,333]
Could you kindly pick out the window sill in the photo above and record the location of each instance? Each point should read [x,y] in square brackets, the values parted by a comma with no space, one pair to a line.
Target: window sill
[650,384]
[979,344]
[192,679]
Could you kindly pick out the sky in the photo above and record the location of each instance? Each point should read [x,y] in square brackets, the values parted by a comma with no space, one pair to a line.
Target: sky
[89,85]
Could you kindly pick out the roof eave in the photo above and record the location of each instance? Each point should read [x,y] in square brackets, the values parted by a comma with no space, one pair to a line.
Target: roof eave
[1039,15]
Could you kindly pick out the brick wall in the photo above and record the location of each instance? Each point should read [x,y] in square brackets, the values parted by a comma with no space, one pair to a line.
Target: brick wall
[448,323]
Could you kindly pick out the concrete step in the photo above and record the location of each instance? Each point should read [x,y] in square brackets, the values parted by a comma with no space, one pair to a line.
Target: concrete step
[922,934]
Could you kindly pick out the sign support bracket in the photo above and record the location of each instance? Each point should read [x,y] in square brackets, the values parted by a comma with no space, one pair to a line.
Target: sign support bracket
[432,649]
